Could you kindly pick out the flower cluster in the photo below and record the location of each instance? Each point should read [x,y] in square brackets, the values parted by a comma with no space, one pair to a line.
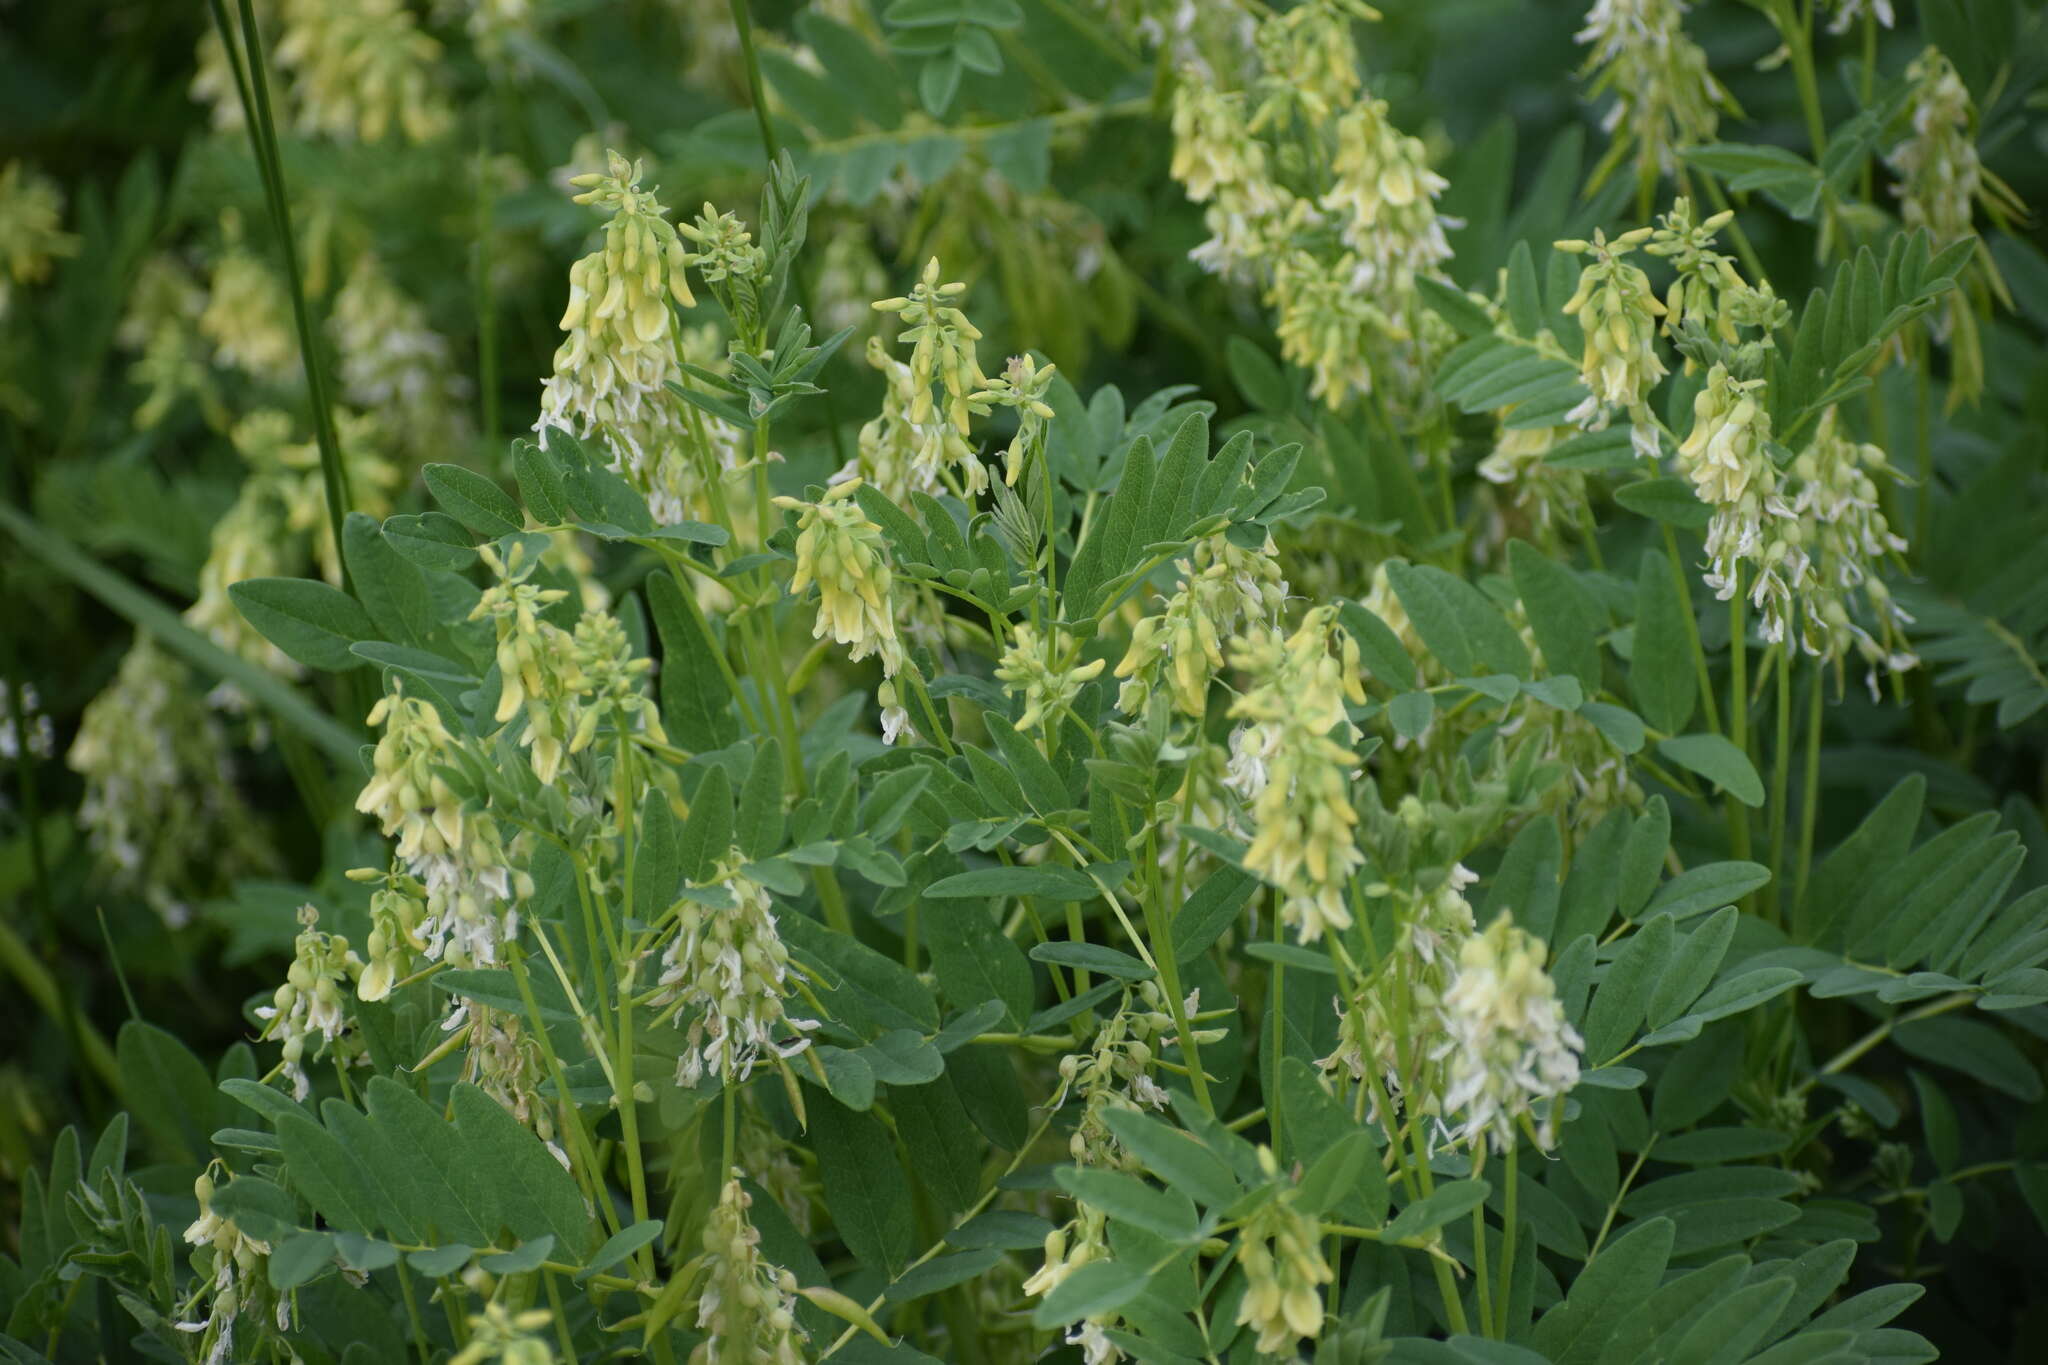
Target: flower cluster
[360,69]
[1043,670]
[1114,1073]
[1313,194]
[1845,537]
[844,553]
[1617,312]
[728,966]
[473,883]
[392,362]
[160,807]
[31,228]
[1665,97]
[1507,1044]
[1280,1248]
[305,1013]
[612,371]
[233,1267]
[942,351]
[748,1308]
[1224,589]
[1296,775]
[1727,457]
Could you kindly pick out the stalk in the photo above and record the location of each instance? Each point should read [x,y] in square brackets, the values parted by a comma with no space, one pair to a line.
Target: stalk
[1809,795]
[1781,775]
[252,85]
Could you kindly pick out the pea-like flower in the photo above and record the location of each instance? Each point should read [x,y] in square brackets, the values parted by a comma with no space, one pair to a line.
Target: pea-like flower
[748,1308]
[1507,1044]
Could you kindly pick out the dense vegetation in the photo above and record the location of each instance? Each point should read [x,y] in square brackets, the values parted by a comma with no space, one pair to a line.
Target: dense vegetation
[1184,682]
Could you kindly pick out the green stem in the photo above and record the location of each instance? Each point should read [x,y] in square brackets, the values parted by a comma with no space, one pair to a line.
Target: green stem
[1738,710]
[1507,1246]
[1481,1280]
[253,87]
[1797,31]
[1809,794]
[1781,778]
[1692,627]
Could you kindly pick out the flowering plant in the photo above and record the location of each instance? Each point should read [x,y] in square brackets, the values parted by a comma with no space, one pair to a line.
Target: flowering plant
[839,842]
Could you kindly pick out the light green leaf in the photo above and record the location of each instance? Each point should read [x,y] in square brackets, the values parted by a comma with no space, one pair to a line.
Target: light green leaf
[1720,762]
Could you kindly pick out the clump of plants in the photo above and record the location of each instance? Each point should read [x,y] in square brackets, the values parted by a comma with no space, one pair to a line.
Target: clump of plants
[1493,828]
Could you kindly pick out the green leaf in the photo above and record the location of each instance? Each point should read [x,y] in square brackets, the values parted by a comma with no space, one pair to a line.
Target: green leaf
[1720,762]
[1460,626]
[1130,1200]
[1642,857]
[1379,647]
[1180,1161]
[539,1198]
[168,1089]
[474,500]
[299,1258]
[939,1136]
[312,622]
[1692,967]
[1708,887]
[903,1057]
[865,1189]
[1096,1288]
[1619,1003]
[1661,673]
[1049,882]
[975,961]
[1565,616]
[696,700]
[1453,1200]
[540,482]
[1411,714]
[391,587]
[1257,376]
[1671,501]
[707,834]
[620,1245]
[759,829]
[1621,726]
[432,540]
[1092,957]
[1573,1332]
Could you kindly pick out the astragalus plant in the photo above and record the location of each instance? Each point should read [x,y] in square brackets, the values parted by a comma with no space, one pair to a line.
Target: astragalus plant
[1510,848]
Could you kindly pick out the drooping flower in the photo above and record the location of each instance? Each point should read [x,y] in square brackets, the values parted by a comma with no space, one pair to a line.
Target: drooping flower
[748,1308]
[1280,1248]
[1302,814]
[727,964]
[305,1013]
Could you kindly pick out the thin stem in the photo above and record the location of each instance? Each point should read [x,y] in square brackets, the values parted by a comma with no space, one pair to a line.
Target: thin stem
[1809,793]
[253,86]
[1781,777]
[1738,710]
[1692,627]
[1507,1246]
[1479,1275]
